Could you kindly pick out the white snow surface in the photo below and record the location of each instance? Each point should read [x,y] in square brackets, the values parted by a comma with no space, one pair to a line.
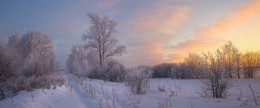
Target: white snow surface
[92,93]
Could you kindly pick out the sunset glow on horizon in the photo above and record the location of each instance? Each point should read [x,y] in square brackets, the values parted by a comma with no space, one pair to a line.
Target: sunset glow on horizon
[153,31]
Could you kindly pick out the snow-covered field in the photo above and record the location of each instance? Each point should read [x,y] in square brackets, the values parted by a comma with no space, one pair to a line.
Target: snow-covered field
[91,93]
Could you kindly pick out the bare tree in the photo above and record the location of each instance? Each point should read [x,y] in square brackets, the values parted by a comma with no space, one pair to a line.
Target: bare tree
[194,64]
[216,85]
[250,61]
[230,52]
[13,41]
[101,37]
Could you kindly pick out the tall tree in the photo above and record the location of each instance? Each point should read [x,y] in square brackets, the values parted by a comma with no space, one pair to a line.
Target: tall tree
[230,52]
[101,36]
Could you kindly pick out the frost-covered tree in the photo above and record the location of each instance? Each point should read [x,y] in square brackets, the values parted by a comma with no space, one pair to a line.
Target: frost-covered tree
[101,36]
[37,50]
[230,52]
[13,41]
[250,62]
[77,62]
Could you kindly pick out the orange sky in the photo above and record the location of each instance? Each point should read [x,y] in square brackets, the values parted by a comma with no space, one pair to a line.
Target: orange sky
[240,25]
[154,31]
[158,27]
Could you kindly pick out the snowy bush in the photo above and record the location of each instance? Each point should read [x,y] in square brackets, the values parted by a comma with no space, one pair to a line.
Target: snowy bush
[138,79]
[112,70]
[215,85]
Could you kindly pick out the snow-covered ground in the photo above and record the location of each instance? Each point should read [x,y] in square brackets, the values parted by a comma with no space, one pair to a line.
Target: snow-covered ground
[91,93]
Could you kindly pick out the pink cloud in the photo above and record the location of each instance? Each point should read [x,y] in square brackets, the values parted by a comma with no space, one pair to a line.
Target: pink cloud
[239,25]
[151,30]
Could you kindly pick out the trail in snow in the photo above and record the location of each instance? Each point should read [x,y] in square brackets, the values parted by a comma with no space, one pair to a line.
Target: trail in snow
[117,94]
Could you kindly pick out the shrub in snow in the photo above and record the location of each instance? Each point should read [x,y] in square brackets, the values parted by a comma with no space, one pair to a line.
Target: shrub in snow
[112,70]
[215,85]
[138,79]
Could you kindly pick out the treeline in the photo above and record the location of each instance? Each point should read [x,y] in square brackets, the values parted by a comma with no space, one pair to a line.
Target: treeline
[234,64]
[95,59]
[217,68]
[26,63]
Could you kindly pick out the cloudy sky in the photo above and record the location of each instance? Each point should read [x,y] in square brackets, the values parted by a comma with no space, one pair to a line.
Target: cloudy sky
[154,31]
